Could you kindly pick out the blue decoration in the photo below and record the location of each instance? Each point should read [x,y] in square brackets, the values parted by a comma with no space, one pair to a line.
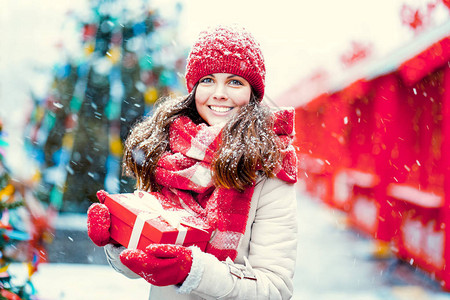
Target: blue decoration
[139,28]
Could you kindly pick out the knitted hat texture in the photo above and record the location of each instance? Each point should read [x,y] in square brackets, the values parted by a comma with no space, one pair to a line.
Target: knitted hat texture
[227,49]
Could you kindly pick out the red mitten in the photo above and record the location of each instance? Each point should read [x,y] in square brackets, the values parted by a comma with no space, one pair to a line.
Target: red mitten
[98,222]
[159,264]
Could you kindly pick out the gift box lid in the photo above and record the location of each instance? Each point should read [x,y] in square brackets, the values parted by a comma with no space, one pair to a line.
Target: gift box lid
[128,206]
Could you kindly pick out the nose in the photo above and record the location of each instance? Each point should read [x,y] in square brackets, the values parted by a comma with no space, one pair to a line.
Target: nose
[220,92]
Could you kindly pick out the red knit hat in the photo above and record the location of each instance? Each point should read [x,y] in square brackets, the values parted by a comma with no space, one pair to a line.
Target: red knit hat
[227,49]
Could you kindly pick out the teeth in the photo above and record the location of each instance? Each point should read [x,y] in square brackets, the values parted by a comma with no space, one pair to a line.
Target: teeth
[220,108]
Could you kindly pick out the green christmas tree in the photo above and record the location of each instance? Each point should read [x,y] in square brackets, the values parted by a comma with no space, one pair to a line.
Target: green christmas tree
[25,229]
[129,60]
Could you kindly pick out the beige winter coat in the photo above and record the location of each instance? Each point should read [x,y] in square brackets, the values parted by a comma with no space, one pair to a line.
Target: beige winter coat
[265,264]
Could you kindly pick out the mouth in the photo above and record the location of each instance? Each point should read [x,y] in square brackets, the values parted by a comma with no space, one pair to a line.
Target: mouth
[220,109]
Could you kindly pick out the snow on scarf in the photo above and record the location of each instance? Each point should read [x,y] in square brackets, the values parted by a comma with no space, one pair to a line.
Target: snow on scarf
[185,176]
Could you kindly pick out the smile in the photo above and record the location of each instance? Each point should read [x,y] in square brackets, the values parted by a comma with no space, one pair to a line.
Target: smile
[220,108]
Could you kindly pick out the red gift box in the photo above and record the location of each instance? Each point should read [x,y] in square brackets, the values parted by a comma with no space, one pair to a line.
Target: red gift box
[138,220]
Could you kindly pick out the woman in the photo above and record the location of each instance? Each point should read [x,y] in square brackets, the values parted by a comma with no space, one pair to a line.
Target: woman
[229,160]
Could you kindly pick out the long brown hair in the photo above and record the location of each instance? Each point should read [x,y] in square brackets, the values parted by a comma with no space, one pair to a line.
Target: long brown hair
[248,144]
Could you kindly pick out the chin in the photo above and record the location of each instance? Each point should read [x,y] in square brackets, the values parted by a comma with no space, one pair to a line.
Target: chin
[215,122]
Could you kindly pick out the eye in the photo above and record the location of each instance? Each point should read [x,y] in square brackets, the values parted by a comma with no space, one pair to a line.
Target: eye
[206,80]
[235,82]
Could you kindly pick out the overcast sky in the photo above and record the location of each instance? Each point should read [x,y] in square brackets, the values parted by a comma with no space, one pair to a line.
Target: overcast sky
[297,36]
[300,36]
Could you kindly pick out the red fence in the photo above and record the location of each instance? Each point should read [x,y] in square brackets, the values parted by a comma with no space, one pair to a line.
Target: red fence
[379,150]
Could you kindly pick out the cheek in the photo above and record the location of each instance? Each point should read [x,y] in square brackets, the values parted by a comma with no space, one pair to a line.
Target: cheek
[200,97]
[200,104]
[242,97]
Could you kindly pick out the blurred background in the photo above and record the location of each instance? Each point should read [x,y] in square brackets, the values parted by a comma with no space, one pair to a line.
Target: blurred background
[369,81]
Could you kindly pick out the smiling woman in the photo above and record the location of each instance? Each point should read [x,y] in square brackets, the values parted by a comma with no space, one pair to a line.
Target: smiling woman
[226,158]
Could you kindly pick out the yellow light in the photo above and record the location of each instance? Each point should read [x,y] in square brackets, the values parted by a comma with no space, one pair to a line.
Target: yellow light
[151,95]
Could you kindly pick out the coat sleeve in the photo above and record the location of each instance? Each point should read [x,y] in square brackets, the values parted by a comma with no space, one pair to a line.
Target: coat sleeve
[112,256]
[268,271]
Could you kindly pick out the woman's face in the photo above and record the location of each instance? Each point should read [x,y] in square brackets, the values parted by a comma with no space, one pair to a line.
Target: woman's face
[220,95]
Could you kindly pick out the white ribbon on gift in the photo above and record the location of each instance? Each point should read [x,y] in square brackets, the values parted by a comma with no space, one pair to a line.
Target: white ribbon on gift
[152,210]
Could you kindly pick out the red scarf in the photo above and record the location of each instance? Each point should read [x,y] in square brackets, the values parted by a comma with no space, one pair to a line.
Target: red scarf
[185,175]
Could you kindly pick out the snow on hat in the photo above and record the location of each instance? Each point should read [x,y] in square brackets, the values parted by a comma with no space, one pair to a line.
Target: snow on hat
[227,49]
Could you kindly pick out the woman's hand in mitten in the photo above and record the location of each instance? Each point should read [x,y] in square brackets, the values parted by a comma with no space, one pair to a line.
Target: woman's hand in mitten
[98,222]
[159,264]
